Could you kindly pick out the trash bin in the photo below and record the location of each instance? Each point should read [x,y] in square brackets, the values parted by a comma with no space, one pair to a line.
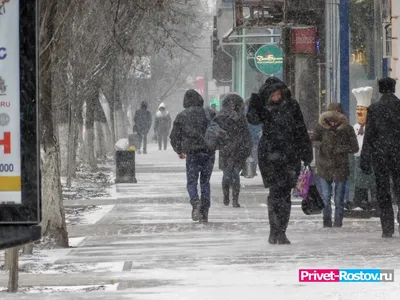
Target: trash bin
[125,166]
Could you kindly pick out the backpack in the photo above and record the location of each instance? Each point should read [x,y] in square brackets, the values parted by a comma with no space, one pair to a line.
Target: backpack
[215,136]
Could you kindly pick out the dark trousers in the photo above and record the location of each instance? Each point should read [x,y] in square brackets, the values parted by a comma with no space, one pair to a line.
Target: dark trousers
[144,142]
[279,207]
[384,173]
[201,165]
[231,177]
[162,140]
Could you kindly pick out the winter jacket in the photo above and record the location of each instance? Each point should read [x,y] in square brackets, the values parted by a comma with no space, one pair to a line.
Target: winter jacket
[335,143]
[190,125]
[381,148]
[239,143]
[142,120]
[163,121]
[285,141]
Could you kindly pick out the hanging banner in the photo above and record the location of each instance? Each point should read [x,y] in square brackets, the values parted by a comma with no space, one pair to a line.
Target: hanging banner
[10,142]
[304,40]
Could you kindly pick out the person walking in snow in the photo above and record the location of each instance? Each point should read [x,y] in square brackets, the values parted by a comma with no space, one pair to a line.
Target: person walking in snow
[162,126]
[335,139]
[380,151]
[233,155]
[188,141]
[142,120]
[284,144]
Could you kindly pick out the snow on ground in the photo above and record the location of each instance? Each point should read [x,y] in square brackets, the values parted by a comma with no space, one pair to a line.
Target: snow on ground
[66,289]
[143,245]
[88,185]
[86,215]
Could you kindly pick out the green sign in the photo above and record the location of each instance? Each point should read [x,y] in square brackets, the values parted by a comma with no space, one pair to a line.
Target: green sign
[269,59]
[215,101]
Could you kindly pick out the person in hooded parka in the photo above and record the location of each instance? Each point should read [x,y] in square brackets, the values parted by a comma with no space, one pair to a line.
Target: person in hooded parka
[381,151]
[188,141]
[336,139]
[142,120]
[162,126]
[284,144]
[233,155]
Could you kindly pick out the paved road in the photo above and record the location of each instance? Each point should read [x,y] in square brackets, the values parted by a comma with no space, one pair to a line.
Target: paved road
[158,253]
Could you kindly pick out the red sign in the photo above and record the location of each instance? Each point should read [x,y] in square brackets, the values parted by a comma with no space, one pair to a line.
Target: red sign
[304,40]
[200,84]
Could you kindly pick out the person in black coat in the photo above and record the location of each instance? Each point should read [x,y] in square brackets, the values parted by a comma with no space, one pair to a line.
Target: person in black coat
[233,155]
[284,144]
[381,151]
[142,120]
[188,141]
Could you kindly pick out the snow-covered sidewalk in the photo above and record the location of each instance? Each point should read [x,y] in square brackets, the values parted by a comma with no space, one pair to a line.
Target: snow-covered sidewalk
[139,243]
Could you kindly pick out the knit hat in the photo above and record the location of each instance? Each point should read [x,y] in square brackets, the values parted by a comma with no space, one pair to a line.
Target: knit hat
[387,85]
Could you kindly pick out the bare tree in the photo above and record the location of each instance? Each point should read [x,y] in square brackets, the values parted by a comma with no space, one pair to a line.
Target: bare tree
[53,222]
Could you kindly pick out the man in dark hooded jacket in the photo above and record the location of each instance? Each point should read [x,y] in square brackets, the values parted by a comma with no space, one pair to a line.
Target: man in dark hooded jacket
[380,151]
[143,122]
[188,141]
[284,144]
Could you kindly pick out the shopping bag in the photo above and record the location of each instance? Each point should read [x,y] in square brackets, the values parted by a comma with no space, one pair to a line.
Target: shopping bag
[250,168]
[313,204]
[303,183]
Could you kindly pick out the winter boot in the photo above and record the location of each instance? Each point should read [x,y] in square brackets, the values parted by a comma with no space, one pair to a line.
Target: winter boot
[273,223]
[225,191]
[235,196]
[273,232]
[327,223]
[196,210]
[284,209]
[203,214]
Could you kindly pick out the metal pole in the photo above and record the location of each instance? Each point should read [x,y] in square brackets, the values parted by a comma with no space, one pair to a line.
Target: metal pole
[344,57]
[233,75]
[244,62]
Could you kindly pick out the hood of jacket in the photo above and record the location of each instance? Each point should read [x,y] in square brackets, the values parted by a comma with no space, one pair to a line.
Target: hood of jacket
[271,85]
[162,105]
[143,105]
[333,116]
[192,98]
[232,106]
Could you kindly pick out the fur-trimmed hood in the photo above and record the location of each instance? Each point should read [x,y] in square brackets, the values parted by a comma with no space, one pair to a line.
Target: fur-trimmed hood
[333,116]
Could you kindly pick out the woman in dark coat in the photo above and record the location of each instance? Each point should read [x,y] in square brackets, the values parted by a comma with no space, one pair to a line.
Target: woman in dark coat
[284,144]
[233,155]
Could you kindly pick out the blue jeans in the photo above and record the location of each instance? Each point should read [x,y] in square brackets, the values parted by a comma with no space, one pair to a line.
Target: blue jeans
[199,164]
[231,177]
[340,189]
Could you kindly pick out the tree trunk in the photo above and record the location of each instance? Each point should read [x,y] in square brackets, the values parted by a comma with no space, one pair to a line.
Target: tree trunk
[53,215]
[101,146]
[71,143]
[89,134]
[63,138]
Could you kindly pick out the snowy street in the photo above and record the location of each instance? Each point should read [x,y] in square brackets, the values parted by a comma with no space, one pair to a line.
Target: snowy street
[142,244]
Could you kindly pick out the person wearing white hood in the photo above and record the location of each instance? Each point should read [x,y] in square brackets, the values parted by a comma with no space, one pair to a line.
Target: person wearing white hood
[162,126]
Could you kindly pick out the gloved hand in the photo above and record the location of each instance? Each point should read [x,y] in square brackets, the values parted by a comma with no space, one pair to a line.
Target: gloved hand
[255,102]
